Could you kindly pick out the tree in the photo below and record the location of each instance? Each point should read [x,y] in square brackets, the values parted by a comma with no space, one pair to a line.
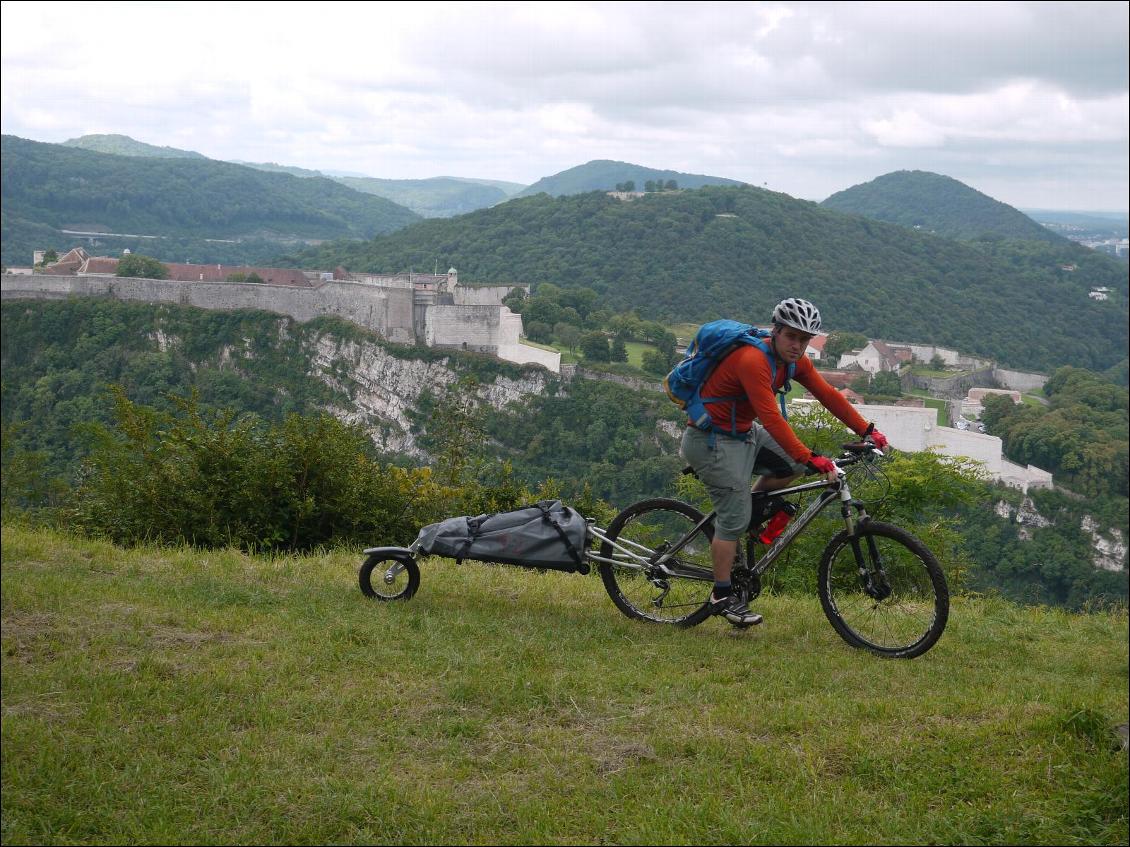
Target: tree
[254,277]
[142,267]
[567,335]
[619,350]
[654,362]
[671,185]
[887,384]
[649,185]
[583,300]
[50,256]
[515,300]
[840,342]
[539,331]
[594,347]
[938,363]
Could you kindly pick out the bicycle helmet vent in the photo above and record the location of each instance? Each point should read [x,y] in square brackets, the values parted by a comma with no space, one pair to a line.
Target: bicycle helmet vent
[799,314]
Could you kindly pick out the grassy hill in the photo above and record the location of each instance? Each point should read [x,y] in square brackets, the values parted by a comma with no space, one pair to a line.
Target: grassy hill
[604,175]
[170,695]
[937,204]
[734,252]
[71,189]
[123,145]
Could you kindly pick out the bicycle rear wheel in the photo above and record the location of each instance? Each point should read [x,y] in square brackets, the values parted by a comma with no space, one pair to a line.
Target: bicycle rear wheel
[644,592]
[898,608]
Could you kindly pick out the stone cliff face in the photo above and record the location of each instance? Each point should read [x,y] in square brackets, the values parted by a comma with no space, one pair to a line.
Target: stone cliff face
[384,388]
[1109,553]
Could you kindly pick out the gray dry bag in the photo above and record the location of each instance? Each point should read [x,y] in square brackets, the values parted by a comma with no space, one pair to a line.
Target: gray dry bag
[546,535]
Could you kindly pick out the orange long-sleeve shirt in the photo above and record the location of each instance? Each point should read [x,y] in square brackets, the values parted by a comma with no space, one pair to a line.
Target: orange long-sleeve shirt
[745,373]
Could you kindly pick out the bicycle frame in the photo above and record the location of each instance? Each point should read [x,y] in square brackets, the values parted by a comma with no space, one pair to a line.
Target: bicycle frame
[649,559]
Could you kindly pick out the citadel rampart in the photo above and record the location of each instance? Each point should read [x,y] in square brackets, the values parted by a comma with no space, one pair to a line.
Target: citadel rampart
[390,308]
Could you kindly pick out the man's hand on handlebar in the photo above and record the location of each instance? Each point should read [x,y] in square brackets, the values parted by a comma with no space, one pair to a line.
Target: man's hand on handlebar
[877,438]
[823,465]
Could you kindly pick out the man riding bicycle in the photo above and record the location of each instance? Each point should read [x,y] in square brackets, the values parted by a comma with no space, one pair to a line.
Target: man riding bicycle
[749,435]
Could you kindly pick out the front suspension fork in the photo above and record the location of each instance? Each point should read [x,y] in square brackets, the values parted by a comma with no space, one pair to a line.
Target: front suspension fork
[872,576]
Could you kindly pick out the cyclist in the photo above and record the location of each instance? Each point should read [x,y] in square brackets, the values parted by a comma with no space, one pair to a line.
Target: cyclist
[765,444]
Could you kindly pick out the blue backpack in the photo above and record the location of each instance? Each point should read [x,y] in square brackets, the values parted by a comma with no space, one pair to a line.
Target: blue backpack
[712,343]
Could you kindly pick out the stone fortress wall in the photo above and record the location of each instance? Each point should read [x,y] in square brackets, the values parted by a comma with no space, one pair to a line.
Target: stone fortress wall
[439,315]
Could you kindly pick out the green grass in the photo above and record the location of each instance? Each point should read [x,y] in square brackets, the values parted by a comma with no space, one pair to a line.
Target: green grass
[636,349]
[161,696]
[933,403]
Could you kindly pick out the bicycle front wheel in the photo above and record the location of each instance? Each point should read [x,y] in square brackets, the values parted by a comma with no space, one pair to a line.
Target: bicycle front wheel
[886,593]
[641,590]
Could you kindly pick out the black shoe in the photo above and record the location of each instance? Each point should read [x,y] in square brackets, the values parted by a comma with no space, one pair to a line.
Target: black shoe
[735,610]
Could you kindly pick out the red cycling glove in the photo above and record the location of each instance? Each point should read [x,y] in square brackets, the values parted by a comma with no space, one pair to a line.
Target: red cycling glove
[877,438]
[820,464]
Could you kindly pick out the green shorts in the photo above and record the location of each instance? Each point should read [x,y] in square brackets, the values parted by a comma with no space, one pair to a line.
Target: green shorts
[727,471]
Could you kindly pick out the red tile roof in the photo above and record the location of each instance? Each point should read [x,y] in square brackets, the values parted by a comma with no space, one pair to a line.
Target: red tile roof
[220,273]
[99,265]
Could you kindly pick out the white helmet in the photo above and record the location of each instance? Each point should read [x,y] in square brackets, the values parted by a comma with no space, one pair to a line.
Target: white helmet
[799,314]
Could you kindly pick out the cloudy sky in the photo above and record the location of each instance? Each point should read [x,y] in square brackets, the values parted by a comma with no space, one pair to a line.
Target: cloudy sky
[1026,102]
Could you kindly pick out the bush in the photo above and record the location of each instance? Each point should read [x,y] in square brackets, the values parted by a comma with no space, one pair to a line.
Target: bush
[594,347]
[655,362]
[142,267]
[215,480]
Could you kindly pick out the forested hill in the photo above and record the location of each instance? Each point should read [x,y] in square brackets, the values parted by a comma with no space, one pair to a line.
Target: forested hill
[58,187]
[605,175]
[734,252]
[937,204]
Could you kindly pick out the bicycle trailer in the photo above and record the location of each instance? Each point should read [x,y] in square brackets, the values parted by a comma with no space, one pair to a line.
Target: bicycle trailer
[547,536]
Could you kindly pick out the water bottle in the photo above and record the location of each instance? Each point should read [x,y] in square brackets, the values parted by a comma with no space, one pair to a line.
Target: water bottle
[777,522]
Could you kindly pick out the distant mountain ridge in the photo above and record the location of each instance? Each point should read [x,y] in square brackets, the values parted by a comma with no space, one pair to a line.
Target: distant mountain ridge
[605,174]
[430,198]
[436,197]
[939,205]
[53,187]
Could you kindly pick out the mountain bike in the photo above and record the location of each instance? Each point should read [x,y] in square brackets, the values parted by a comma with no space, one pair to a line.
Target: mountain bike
[880,587]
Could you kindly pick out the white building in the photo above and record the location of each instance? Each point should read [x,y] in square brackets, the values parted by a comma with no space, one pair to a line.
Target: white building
[877,356]
[913,429]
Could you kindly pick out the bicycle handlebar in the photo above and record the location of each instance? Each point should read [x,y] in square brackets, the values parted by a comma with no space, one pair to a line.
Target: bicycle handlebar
[859,451]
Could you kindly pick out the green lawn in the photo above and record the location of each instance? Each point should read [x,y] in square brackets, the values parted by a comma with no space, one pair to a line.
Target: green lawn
[633,367]
[933,403]
[181,696]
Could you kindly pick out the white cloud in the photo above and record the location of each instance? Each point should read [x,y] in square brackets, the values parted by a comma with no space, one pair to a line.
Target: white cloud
[905,128]
[798,95]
